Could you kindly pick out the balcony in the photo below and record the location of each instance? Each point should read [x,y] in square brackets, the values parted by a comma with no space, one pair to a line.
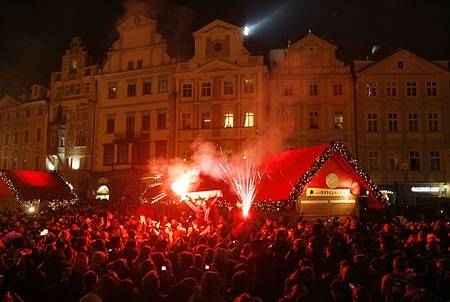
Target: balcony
[121,137]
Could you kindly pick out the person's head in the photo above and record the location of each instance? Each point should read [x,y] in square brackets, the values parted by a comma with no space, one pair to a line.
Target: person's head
[346,273]
[212,284]
[240,282]
[150,283]
[146,266]
[220,256]
[104,287]
[185,260]
[81,261]
[145,252]
[89,280]
[399,264]
[181,292]
[98,259]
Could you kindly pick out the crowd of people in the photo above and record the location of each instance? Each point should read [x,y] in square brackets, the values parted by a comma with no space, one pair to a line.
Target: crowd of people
[93,252]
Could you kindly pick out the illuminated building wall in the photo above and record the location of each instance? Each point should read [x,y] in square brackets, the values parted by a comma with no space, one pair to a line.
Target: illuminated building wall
[403,105]
[23,122]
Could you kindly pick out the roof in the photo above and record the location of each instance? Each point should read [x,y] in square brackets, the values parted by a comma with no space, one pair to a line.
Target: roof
[29,185]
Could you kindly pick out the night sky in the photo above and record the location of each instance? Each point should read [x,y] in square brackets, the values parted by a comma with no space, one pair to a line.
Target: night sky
[35,33]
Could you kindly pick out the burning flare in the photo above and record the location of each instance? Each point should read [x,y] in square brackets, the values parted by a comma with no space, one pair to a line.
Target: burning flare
[183,183]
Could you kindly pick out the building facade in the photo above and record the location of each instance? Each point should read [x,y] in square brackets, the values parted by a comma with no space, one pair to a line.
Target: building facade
[311,94]
[71,117]
[135,121]
[403,134]
[23,126]
[220,93]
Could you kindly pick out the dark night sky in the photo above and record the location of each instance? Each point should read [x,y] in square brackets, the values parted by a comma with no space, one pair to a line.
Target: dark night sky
[35,33]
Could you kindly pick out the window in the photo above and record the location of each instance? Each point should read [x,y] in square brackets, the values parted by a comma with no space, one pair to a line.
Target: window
[108,154]
[372,122]
[141,152]
[66,90]
[391,89]
[433,122]
[87,88]
[337,89]
[122,153]
[288,90]
[40,111]
[28,113]
[38,135]
[26,136]
[162,86]
[147,87]
[314,120]
[187,91]
[414,160]
[112,90]
[130,126]
[371,89]
[339,120]
[249,86]
[37,162]
[110,125]
[394,161]
[77,90]
[206,89]
[249,119]
[82,113]
[139,64]
[145,122]
[411,89]
[392,122]
[131,89]
[58,93]
[431,89]
[205,120]
[80,138]
[130,65]
[373,161]
[228,88]
[413,125]
[435,161]
[161,121]
[16,137]
[160,149]
[186,121]
[229,120]
[6,138]
[313,89]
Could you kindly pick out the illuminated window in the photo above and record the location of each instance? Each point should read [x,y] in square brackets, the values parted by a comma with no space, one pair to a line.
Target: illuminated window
[162,86]
[431,89]
[433,122]
[249,119]
[147,87]
[394,161]
[373,161]
[205,120]
[337,89]
[108,154]
[391,88]
[414,160]
[371,89]
[75,163]
[339,120]
[413,122]
[187,90]
[372,122]
[186,121]
[392,122]
[313,89]
[249,86]
[112,90]
[435,161]
[206,89]
[313,120]
[228,88]
[161,121]
[131,89]
[411,88]
[229,120]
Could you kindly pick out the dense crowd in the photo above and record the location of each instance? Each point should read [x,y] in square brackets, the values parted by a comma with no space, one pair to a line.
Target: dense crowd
[91,253]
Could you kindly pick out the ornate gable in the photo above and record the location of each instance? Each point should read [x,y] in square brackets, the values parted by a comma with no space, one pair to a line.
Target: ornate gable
[215,27]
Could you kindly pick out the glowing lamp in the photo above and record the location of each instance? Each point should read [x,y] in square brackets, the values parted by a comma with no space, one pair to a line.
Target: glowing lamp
[31,209]
[246,31]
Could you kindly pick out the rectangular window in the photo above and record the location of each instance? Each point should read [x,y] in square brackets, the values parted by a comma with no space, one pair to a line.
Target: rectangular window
[147,87]
[139,64]
[372,122]
[249,86]
[130,126]
[391,89]
[392,122]
[228,88]
[146,122]
[186,121]
[288,90]
[130,65]
[394,161]
[431,89]
[40,111]
[141,152]
[162,86]
[435,161]
[337,89]
[161,121]
[28,113]
[108,154]
[414,160]
[373,161]
[112,90]
[314,120]
[413,124]
[339,120]
[160,149]
[433,122]
[38,135]
[37,162]
[206,89]
[313,89]
[77,90]
[249,119]
[110,125]
[26,136]
[411,88]
[187,91]
[16,137]
[6,138]
[122,153]
[229,120]
[80,138]
[371,89]
[87,88]
[131,89]
[205,120]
